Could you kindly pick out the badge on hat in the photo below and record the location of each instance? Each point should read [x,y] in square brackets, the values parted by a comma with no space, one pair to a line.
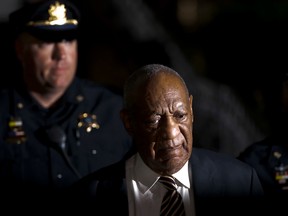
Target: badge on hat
[57,16]
[49,20]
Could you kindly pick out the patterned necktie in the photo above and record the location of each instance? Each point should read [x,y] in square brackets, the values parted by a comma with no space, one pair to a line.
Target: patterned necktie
[172,203]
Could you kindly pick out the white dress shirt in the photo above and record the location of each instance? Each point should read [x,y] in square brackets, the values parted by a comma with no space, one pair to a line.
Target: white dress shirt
[145,193]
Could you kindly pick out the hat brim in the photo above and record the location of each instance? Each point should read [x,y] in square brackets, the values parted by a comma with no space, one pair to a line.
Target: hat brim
[54,34]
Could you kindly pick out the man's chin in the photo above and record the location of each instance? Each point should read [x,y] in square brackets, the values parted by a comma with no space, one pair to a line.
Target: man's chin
[166,155]
[172,165]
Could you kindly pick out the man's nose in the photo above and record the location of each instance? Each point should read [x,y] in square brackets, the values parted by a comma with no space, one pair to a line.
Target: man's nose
[170,128]
[59,51]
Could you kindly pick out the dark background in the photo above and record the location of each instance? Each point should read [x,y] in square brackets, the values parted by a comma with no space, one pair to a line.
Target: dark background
[227,51]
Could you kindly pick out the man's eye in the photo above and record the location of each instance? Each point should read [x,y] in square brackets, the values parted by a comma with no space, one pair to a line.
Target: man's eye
[180,116]
[44,44]
[152,122]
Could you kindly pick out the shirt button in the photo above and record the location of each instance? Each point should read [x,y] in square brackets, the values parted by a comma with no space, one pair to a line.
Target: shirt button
[59,176]
[94,151]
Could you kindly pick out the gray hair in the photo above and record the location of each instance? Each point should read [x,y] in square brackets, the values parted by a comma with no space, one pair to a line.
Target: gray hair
[140,77]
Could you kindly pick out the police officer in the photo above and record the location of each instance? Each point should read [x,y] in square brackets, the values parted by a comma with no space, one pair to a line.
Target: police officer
[269,156]
[55,127]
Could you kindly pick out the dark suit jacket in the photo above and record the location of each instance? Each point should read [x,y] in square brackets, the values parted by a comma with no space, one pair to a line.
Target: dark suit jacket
[222,185]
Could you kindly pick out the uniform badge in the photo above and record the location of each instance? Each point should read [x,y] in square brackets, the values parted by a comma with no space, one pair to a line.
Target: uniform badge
[281,172]
[16,134]
[88,121]
[281,176]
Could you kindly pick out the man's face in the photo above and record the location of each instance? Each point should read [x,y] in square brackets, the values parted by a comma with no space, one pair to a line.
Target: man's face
[48,66]
[163,124]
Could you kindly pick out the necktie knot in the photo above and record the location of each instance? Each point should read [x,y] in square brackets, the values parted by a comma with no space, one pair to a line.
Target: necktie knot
[172,203]
[168,182]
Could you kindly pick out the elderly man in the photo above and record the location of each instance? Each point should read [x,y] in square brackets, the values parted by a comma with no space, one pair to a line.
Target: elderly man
[159,117]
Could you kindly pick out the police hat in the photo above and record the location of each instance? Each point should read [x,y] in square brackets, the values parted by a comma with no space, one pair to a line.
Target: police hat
[46,20]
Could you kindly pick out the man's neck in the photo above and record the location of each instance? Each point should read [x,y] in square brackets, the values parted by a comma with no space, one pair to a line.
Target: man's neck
[48,99]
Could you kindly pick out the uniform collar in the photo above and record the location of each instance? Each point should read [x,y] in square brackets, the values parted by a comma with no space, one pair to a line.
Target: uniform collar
[73,95]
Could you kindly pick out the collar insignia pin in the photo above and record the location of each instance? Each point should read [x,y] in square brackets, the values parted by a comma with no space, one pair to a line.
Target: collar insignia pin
[88,121]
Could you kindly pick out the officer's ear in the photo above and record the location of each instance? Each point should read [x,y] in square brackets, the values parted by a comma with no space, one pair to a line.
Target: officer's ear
[21,43]
[18,48]
[127,120]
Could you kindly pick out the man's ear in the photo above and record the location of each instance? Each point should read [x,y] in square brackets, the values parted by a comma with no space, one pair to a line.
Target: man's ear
[127,121]
[191,107]
[18,49]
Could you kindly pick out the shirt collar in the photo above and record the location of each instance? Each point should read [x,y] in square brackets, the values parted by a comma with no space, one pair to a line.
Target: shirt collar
[148,180]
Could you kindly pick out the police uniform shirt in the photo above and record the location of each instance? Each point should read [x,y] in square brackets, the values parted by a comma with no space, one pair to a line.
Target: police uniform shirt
[87,123]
